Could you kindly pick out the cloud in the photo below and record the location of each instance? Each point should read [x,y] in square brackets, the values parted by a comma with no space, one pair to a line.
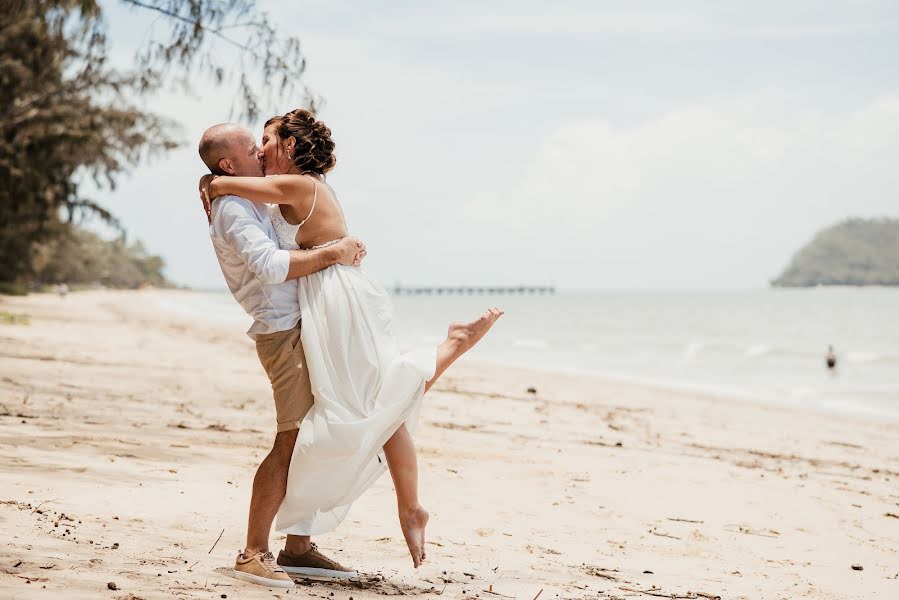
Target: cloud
[586,145]
[701,196]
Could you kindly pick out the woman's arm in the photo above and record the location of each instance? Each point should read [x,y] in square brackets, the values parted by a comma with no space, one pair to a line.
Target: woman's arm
[293,190]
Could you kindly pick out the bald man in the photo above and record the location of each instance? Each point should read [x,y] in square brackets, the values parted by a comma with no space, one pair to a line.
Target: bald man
[262,278]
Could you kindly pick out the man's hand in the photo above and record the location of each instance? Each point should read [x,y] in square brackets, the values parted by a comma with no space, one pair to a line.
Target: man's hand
[352,251]
[348,251]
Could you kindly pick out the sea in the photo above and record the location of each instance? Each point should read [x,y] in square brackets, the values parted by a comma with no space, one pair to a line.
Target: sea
[767,345]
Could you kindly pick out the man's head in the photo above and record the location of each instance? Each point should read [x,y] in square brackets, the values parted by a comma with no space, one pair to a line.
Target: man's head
[229,149]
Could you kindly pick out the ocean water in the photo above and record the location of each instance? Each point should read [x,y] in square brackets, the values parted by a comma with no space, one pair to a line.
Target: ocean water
[766,345]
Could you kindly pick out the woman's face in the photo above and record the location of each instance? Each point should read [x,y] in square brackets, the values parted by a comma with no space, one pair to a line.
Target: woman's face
[275,159]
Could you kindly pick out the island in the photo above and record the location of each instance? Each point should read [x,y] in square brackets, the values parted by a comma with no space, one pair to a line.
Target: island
[853,252]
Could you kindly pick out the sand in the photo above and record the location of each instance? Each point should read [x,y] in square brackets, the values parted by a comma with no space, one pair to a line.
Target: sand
[129,438]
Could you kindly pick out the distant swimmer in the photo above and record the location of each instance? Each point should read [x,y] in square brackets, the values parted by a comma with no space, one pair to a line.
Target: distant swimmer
[831,359]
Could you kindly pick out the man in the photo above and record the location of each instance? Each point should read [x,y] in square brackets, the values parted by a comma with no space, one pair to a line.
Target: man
[262,279]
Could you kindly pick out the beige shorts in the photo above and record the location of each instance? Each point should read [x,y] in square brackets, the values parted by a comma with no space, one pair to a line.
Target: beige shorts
[282,357]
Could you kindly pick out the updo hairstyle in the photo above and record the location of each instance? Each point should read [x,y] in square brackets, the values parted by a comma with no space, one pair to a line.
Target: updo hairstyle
[314,150]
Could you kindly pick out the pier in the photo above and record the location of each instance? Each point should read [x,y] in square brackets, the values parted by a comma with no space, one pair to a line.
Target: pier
[465,290]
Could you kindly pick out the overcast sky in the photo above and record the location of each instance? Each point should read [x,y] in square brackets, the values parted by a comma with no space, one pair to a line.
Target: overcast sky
[591,145]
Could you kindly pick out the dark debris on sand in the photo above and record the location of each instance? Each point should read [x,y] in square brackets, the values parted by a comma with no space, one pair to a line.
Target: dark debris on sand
[375,583]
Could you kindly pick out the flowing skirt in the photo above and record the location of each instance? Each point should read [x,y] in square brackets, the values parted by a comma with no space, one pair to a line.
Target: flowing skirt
[364,390]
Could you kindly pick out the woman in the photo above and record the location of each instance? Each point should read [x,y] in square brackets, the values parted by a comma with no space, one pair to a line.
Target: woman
[367,394]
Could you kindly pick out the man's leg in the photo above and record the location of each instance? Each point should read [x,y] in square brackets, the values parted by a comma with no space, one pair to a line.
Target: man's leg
[269,487]
[283,359]
[281,355]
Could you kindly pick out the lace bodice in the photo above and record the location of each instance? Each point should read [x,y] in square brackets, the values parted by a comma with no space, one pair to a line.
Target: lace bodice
[284,231]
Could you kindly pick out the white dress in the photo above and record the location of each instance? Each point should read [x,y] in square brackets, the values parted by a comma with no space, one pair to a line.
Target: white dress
[363,390]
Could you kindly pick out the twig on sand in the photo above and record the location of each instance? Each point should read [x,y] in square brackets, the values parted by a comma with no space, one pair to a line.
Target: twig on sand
[667,535]
[40,505]
[684,520]
[660,594]
[538,594]
[216,542]
[656,593]
[490,591]
[740,529]
[601,572]
[889,514]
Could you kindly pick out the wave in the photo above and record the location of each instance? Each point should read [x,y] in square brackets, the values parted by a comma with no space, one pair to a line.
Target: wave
[533,344]
[863,358]
[856,357]
[758,350]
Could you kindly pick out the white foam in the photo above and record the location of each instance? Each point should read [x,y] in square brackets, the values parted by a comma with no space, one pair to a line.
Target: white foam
[862,358]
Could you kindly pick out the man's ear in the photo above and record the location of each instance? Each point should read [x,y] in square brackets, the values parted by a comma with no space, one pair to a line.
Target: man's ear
[227,165]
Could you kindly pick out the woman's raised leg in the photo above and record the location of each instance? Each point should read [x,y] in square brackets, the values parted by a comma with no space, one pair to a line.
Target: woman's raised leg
[460,338]
[400,449]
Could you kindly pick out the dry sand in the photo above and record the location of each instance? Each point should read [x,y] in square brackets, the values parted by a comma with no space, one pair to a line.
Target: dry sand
[129,439]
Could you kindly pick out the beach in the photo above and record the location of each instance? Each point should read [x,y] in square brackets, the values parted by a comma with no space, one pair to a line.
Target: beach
[130,435]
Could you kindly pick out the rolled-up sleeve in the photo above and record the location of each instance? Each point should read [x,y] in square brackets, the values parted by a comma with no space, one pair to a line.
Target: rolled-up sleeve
[237,223]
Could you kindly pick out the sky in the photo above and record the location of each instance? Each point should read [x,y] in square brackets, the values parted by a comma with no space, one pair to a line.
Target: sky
[588,145]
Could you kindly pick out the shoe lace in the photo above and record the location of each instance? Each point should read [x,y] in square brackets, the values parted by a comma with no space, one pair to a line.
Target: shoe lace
[313,549]
[268,559]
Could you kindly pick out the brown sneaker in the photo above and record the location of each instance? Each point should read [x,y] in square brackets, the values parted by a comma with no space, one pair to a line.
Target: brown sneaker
[313,564]
[261,569]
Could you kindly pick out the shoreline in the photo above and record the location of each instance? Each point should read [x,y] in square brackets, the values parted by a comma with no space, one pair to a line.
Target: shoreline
[723,392]
[131,438]
[720,393]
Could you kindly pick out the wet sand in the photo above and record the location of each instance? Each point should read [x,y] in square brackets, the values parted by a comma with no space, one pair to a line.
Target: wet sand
[129,438]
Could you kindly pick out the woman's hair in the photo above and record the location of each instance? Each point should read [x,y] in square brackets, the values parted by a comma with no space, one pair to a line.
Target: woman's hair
[314,150]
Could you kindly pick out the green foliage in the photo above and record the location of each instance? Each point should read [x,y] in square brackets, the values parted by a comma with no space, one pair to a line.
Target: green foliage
[65,115]
[79,257]
[854,252]
[8,318]
[229,43]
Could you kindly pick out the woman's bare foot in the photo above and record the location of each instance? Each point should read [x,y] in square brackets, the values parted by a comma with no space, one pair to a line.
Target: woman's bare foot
[413,523]
[463,336]
[459,339]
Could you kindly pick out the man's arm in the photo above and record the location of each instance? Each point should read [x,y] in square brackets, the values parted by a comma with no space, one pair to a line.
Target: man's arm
[238,224]
[348,251]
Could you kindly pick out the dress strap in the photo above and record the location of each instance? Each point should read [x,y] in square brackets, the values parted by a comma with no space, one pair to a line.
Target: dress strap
[314,197]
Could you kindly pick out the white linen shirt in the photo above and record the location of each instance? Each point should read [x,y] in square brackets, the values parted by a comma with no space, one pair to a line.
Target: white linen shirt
[254,267]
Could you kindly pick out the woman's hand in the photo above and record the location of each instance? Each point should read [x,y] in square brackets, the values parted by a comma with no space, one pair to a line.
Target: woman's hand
[205,182]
